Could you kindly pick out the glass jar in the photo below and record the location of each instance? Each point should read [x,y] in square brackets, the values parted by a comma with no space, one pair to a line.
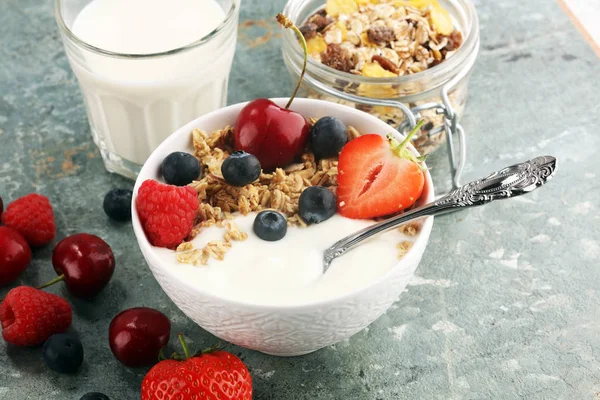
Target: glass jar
[416,91]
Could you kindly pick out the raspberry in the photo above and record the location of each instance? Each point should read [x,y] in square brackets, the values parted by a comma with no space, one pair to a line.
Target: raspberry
[30,316]
[167,212]
[32,217]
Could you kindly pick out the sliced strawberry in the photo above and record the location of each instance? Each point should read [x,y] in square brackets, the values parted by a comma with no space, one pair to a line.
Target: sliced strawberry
[376,178]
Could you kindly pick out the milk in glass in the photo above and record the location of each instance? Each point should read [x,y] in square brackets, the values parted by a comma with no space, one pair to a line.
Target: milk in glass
[146,67]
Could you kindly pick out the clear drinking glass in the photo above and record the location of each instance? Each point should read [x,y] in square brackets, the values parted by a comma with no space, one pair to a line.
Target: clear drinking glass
[134,101]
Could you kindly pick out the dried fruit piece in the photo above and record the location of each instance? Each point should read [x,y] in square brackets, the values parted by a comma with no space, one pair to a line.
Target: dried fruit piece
[316,45]
[342,27]
[321,21]
[386,63]
[337,7]
[383,110]
[381,34]
[375,70]
[338,58]
[441,20]
[420,3]
[378,92]
[454,40]
[365,41]
[309,30]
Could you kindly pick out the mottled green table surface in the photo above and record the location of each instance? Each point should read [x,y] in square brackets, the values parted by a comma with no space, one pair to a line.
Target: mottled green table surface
[505,304]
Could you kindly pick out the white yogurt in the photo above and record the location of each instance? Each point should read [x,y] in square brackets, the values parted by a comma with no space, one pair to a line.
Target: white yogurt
[133,104]
[289,271]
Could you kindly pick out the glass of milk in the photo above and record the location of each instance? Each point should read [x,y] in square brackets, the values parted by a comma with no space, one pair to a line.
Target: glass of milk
[146,67]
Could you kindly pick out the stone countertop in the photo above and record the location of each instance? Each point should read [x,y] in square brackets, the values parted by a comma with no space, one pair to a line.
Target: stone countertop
[505,301]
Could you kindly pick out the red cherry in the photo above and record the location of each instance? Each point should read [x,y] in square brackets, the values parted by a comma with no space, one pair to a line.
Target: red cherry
[273,134]
[15,254]
[137,335]
[85,262]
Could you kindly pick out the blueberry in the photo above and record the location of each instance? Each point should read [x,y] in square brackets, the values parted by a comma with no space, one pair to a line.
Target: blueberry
[180,168]
[63,353]
[117,204]
[327,137]
[94,396]
[240,168]
[270,225]
[316,204]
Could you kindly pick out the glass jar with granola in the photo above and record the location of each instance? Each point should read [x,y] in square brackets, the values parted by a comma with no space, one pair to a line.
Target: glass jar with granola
[401,50]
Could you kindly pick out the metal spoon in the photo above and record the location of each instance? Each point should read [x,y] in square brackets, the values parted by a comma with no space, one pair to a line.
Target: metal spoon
[509,182]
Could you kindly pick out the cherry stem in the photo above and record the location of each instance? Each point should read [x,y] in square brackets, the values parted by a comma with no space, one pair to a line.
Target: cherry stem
[217,347]
[186,350]
[288,24]
[53,281]
[161,354]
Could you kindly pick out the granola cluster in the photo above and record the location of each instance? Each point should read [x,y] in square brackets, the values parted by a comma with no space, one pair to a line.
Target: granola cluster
[187,254]
[279,190]
[381,38]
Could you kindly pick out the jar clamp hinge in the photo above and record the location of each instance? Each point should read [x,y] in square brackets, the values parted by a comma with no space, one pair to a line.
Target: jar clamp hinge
[451,127]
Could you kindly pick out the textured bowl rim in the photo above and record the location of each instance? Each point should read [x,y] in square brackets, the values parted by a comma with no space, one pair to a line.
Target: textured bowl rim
[152,164]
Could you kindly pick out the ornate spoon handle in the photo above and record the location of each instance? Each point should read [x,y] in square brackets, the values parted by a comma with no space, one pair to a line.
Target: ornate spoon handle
[511,181]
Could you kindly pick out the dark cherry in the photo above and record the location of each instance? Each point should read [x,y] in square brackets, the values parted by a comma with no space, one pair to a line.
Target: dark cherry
[137,335]
[15,255]
[273,134]
[85,262]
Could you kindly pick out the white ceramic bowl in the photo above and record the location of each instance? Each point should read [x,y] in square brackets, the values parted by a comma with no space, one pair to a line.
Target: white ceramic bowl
[281,330]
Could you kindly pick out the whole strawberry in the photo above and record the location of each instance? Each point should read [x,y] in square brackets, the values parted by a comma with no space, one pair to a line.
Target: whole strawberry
[33,217]
[210,376]
[29,316]
[166,212]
